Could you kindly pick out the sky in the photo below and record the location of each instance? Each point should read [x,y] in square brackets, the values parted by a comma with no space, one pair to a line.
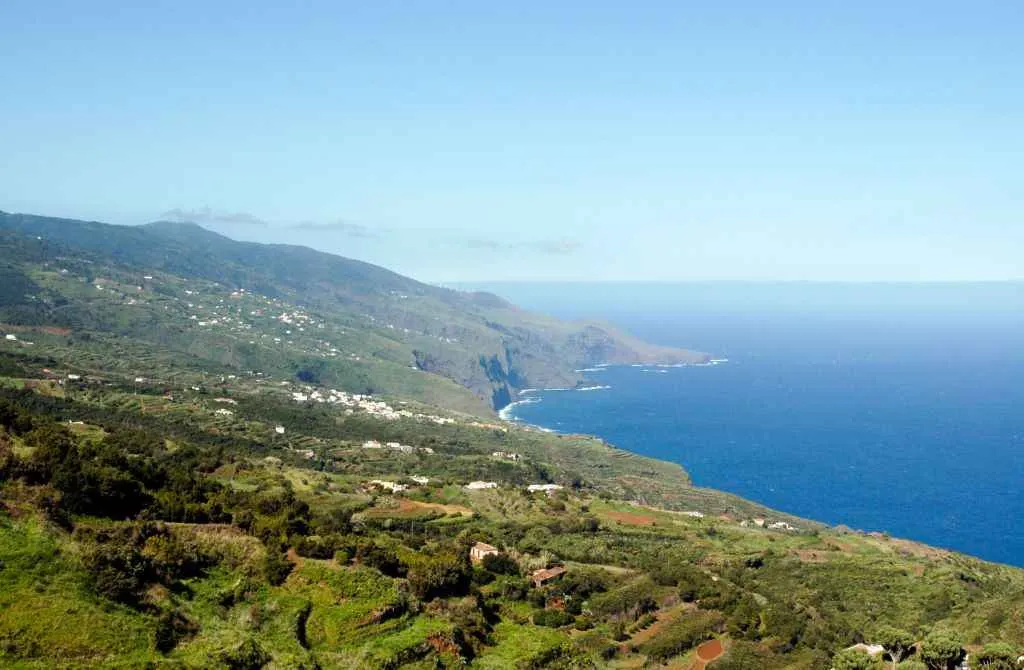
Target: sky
[485,141]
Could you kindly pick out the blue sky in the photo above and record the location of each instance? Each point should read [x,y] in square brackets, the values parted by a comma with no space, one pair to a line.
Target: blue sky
[462,141]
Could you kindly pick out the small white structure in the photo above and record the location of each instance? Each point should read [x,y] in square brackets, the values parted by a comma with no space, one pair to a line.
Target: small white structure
[223,412]
[507,455]
[11,337]
[695,514]
[419,479]
[481,550]
[74,378]
[279,430]
[394,487]
[372,444]
[781,525]
[479,486]
[547,488]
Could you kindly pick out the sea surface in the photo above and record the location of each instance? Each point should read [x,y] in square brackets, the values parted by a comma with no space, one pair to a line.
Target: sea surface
[897,408]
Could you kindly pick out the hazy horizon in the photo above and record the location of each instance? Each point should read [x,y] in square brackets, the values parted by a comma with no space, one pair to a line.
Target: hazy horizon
[659,141]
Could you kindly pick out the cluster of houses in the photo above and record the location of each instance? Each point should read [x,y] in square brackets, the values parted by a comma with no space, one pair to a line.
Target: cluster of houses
[770,525]
[506,456]
[395,487]
[365,403]
[532,488]
[396,446]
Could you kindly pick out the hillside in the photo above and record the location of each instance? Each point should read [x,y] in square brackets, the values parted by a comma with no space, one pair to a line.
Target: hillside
[223,455]
[338,320]
[234,526]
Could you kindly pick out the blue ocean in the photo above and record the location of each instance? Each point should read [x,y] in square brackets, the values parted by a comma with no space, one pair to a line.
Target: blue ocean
[889,407]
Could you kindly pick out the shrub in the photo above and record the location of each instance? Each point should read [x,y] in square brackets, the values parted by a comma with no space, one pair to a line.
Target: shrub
[249,655]
[439,576]
[552,618]
[276,567]
[171,628]
[632,599]
[500,564]
[681,635]
[855,659]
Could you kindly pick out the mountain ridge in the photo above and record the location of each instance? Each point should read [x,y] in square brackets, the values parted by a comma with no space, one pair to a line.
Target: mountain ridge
[477,340]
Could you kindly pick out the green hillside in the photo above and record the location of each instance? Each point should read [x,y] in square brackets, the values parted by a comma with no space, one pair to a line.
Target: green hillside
[224,455]
[294,309]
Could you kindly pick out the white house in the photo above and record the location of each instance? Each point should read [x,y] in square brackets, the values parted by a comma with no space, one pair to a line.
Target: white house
[547,488]
[477,486]
[481,550]
[394,487]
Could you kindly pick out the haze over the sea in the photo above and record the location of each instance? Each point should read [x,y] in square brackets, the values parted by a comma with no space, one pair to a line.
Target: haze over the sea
[895,408]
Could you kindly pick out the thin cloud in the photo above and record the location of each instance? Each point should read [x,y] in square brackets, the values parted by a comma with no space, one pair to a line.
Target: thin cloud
[340,226]
[210,215]
[559,247]
[555,247]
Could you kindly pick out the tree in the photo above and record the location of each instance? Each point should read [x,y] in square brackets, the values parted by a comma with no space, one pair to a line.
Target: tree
[898,643]
[439,576]
[942,650]
[997,656]
[855,659]
[742,656]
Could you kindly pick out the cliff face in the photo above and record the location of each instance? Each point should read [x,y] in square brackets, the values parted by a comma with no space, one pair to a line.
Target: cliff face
[476,340]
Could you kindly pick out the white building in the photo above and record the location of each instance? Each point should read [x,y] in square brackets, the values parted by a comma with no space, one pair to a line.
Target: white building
[547,488]
[394,487]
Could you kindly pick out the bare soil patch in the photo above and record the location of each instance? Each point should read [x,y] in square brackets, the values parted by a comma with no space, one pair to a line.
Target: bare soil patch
[631,519]
[708,652]
[49,330]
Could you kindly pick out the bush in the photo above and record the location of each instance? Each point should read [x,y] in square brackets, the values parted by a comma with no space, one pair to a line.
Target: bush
[383,559]
[552,618]
[249,655]
[118,572]
[634,599]
[314,546]
[171,628]
[439,576]
[276,567]
[681,635]
[500,564]
[855,659]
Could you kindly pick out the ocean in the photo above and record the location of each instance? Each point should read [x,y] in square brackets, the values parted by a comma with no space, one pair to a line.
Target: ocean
[889,407]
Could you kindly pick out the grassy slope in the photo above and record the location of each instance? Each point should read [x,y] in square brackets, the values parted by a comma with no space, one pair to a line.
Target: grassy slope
[50,617]
[848,580]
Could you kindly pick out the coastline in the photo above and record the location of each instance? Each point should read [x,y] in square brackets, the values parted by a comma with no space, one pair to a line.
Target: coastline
[897,528]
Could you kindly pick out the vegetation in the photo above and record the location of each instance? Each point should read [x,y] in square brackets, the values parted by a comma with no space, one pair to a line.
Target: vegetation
[165,509]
